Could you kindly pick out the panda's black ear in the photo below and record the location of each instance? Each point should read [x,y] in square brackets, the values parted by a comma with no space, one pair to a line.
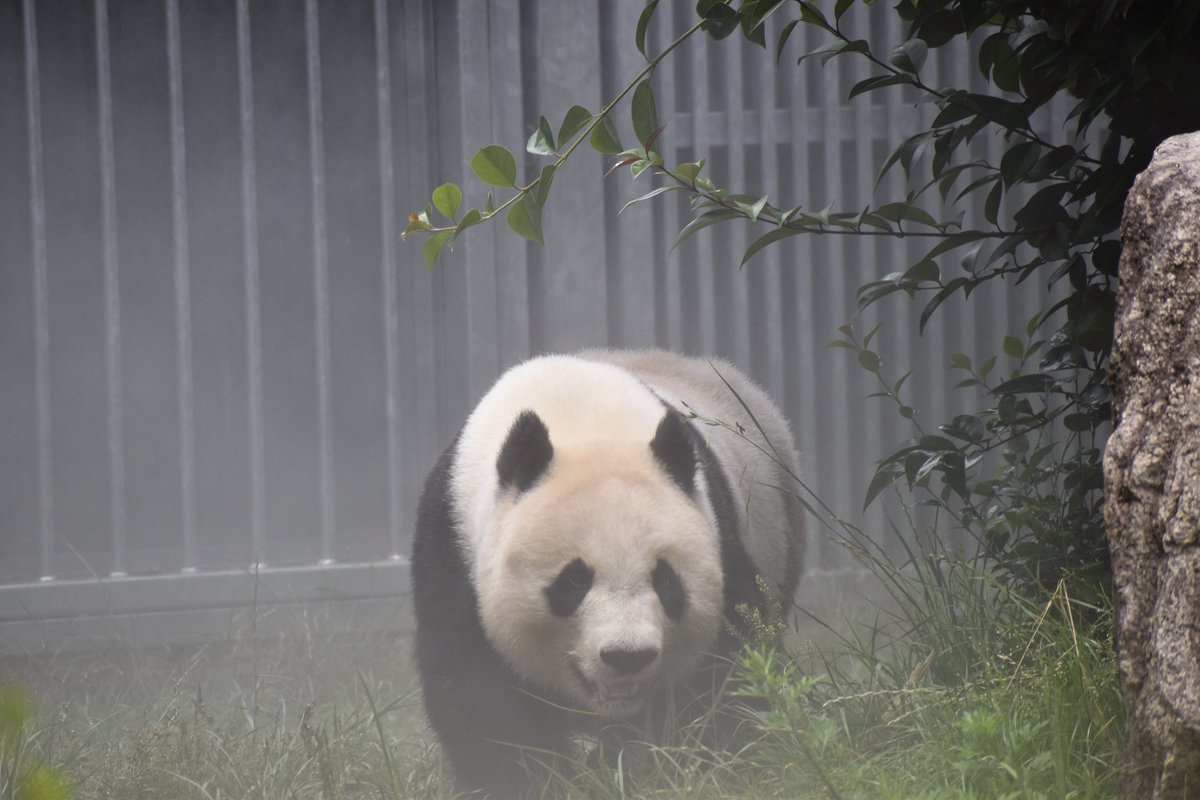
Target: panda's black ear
[526,453]
[672,446]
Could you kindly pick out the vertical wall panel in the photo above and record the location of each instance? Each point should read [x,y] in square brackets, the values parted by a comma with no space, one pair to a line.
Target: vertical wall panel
[143,216]
[19,463]
[284,216]
[634,269]
[217,253]
[574,260]
[413,120]
[182,275]
[20,534]
[357,355]
[387,269]
[77,398]
[222,353]
[254,539]
[477,260]
[112,304]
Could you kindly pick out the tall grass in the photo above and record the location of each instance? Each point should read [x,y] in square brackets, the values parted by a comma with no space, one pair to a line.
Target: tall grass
[953,686]
[320,715]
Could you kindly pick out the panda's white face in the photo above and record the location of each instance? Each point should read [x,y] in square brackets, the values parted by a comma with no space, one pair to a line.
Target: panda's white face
[605,578]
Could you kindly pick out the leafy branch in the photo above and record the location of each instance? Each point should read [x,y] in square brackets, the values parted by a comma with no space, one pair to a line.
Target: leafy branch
[496,166]
[1048,209]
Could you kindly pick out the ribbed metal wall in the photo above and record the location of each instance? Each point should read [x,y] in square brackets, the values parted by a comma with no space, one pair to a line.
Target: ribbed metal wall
[216,353]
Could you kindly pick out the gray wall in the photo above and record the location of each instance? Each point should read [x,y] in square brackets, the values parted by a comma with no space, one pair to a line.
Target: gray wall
[216,353]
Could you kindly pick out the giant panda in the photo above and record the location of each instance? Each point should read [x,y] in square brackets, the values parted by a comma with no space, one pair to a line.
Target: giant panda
[583,542]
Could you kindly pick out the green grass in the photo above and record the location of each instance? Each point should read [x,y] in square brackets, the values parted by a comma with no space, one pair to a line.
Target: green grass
[953,688]
[317,715]
[1029,711]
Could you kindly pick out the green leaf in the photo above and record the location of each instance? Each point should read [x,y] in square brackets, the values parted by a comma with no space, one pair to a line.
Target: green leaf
[841,7]
[433,247]
[752,32]
[953,109]
[884,477]
[541,142]
[1000,111]
[604,138]
[873,292]
[576,118]
[783,37]
[446,199]
[878,82]
[1006,71]
[542,190]
[472,217]
[525,218]
[939,298]
[1014,347]
[703,221]
[653,193]
[690,170]
[1000,62]
[869,360]
[812,15]
[752,210]
[871,335]
[906,154]
[639,36]
[768,238]
[922,271]
[757,12]
[991,206]
[900,212]
[720,19]
[978,183]
[1018,160]
[910,56]
[1026,384]
[834,48]
[954,242]
[642,110]
[495,166]
[1043,208]
[1054,161]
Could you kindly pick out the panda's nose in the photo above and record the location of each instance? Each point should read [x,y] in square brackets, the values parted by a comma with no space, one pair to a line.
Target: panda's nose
[628,662]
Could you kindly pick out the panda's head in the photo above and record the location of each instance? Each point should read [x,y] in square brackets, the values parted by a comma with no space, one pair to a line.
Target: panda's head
[604,572]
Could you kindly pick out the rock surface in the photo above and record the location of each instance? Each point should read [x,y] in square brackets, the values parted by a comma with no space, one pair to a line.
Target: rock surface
[1152,475]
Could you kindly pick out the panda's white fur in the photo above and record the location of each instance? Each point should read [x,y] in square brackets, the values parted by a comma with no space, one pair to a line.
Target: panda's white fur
[605,506]
[762,470]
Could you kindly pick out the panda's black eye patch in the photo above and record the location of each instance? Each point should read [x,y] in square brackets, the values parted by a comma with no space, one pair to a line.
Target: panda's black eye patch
[569,588]
[669,589]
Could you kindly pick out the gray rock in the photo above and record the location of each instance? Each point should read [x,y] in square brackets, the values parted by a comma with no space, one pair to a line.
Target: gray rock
[1152,475]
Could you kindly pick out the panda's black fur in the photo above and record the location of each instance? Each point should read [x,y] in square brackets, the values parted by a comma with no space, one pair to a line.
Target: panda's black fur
[489,721]
[474,702]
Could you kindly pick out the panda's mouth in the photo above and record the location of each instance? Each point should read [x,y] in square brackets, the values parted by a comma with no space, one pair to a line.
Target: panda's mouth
[618,698]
